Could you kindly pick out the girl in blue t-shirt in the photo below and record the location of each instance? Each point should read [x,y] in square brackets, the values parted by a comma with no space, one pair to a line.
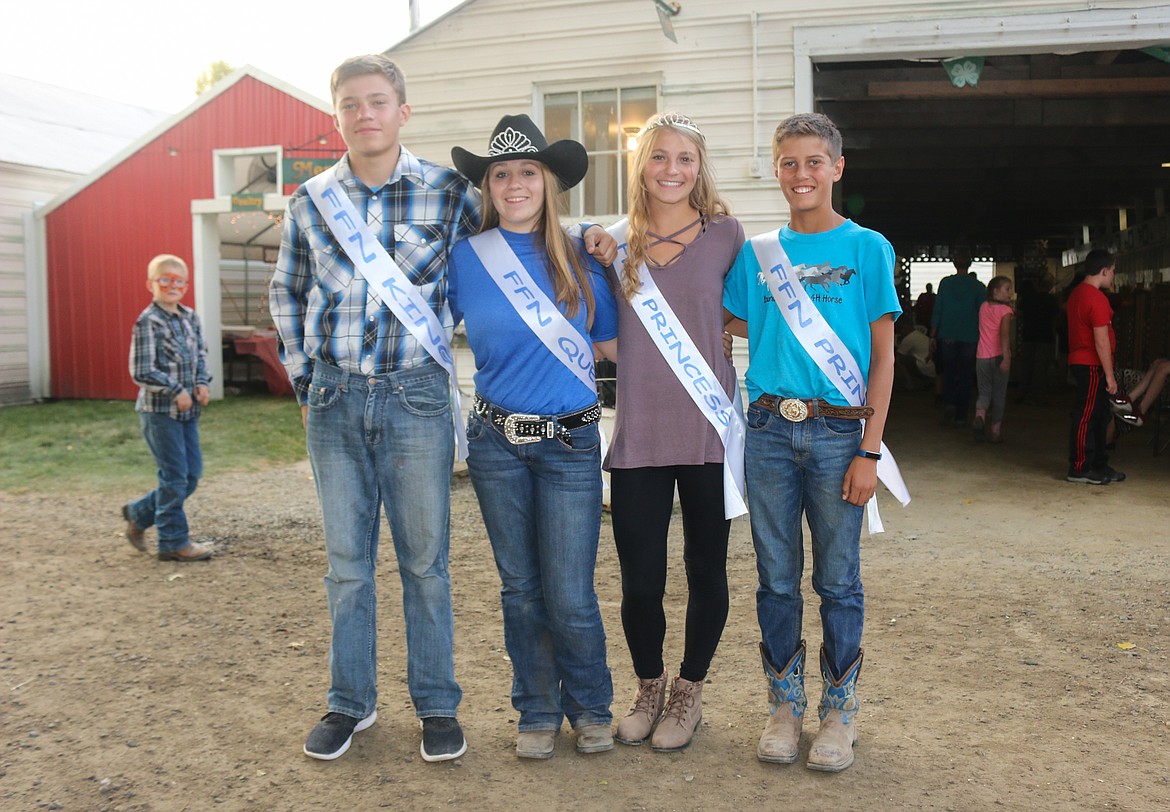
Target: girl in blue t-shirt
[534,305]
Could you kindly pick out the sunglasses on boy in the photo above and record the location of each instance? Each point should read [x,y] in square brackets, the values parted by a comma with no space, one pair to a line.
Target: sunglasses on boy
[171,282]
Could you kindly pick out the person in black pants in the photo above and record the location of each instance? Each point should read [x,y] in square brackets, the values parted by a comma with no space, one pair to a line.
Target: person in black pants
[954,336]
[1091,347]
[681,241]
[1037,312]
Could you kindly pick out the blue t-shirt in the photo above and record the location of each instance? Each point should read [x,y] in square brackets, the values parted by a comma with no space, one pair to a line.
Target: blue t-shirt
[513,369]
[956,308]
[848,272]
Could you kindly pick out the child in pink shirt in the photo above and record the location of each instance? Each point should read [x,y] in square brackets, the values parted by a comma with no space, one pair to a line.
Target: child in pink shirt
[993,359]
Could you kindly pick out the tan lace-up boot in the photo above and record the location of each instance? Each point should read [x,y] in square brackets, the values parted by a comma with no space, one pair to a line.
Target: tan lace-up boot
[780,741]
[680,720]
[644,713]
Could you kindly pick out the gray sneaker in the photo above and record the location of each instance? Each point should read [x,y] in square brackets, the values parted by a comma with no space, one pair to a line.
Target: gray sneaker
[1089,476]
[442,739]
[333,735]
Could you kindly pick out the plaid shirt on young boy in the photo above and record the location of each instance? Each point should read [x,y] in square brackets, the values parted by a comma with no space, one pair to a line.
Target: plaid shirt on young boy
[168,355]
[324,312]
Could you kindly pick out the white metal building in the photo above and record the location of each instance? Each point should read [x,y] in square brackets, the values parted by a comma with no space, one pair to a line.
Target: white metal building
[49,137]
[931,158]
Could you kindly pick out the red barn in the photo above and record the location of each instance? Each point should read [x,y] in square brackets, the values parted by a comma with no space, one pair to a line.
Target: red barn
[209,185]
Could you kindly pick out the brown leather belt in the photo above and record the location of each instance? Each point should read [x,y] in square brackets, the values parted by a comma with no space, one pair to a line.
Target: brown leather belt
[798,410]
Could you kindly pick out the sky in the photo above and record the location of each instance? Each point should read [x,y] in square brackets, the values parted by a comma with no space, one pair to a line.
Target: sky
[150,52]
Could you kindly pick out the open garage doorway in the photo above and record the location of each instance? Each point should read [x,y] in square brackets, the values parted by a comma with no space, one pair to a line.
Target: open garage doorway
[238,256]
[1054,144]
[1047,154]
[236,238]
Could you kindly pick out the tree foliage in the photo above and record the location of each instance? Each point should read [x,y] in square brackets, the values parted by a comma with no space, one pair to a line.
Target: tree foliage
[215,71]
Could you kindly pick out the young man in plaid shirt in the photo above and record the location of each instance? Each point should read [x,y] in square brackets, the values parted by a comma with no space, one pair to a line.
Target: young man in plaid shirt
[376,404]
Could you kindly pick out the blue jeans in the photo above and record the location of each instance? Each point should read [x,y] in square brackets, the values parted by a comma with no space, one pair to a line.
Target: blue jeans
[374,442]
[796,469]
[175,446]
[958,363]
[541,504]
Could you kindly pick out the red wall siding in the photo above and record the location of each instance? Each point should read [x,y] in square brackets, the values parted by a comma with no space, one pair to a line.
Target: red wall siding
[99,241]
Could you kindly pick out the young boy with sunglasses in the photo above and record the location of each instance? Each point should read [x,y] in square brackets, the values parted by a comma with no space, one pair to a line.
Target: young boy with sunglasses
[168,361]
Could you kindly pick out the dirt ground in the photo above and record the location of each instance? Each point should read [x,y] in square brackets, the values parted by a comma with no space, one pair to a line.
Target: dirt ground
[1016,655]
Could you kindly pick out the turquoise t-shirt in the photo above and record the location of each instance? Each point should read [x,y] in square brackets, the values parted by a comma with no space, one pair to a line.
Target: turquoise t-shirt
[513,369]
[956,308]
[848,272]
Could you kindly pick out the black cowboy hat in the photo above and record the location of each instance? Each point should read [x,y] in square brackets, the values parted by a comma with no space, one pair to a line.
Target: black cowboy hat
[517,138]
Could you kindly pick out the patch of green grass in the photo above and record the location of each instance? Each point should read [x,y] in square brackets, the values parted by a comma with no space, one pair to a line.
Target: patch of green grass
[94,445]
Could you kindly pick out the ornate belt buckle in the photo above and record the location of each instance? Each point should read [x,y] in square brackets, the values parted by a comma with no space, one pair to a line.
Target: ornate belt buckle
[510,426]
[794,410]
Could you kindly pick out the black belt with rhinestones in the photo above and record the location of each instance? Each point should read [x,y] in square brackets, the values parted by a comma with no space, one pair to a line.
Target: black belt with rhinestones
[520,429]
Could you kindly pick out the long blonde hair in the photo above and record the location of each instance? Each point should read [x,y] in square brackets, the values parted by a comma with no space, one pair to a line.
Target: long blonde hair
[704,197]
[566,269]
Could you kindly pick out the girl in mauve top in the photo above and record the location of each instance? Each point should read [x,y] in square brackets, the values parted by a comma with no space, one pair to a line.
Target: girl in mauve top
[681,229]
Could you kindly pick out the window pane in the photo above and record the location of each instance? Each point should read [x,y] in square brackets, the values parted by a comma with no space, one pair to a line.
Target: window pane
[599,115]
[560,116]
[604,121]
[601,185]
[638,104]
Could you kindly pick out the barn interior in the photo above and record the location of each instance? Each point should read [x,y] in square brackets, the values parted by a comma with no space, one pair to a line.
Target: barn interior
[1046,156]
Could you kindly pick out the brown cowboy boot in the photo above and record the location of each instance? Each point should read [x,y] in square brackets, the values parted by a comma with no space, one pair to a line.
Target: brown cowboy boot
[780,741]
[832,749]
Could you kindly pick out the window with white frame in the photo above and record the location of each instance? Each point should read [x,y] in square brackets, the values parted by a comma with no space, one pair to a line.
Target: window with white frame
[606,121]
[246,171]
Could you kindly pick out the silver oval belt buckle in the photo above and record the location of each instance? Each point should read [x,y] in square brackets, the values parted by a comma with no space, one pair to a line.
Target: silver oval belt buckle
[794,410]
[510,423]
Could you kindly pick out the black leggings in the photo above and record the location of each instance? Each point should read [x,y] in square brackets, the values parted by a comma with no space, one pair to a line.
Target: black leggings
[642,501]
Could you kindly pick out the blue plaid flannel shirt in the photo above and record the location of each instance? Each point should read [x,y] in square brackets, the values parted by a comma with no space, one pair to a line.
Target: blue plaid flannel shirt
[324,312]
[168,355]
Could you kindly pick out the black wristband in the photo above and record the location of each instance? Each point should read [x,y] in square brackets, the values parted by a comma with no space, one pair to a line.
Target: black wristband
[869,455]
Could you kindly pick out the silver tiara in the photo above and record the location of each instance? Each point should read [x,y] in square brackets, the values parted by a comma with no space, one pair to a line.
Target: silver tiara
[672,120]
[510,140]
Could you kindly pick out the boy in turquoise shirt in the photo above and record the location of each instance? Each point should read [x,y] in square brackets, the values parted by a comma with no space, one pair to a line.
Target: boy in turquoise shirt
[820,328]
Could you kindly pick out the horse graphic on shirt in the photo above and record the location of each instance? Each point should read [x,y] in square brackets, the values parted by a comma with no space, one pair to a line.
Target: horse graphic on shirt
[823,275]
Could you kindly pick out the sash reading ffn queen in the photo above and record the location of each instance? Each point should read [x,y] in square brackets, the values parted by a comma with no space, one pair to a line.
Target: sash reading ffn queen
[389,284]
[825,348]
[681,354]
[532,305]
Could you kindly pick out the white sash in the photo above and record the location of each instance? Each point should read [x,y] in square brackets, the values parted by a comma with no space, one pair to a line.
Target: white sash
[372,261]
[539,312]
[825,348]
[532,305]
[693,372]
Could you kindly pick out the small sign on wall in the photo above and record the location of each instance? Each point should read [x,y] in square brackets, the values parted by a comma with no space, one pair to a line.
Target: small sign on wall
[247,202]
[299,170]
